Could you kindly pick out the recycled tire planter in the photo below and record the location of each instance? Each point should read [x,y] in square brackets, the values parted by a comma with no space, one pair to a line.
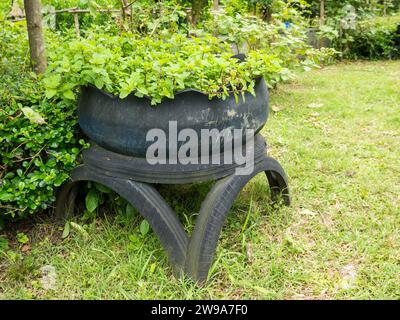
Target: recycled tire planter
[116,160]
[121,125]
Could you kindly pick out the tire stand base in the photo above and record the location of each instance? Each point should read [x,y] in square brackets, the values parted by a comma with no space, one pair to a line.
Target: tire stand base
[134,180]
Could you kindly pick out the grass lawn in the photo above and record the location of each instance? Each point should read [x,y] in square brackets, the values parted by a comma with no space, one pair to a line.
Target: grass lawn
[336,132]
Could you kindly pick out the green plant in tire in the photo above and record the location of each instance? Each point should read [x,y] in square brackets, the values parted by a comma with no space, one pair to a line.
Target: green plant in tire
[158,68]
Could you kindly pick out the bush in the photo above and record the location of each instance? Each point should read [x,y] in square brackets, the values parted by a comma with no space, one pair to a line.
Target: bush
[39,139]
[372,39]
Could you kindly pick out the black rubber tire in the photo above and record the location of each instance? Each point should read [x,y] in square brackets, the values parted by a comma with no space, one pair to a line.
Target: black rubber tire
[142,196]
[121,125]
[192,256]
[214,211]
[138,169]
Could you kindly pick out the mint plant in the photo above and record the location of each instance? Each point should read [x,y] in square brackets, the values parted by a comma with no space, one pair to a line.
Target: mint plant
[158,68]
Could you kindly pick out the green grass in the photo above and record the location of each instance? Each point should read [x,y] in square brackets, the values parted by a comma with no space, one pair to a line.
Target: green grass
[337,134]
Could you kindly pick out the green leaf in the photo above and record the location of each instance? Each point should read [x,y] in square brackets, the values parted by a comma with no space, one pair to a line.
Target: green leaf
[52,81]
[88,215]
[98,59]
[102,188]
[66,230]
[80,230]
[22,238]
[69,94]
[5,196]
[124,93]
[50,93]
[3,244]
[32,115]
[144,227]
[135,240]
[153,267]
[99,83]
[93,6]
[130,211]
[92,200]
[236,97]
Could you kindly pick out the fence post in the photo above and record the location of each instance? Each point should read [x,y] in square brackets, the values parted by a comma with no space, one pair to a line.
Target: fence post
[76,22]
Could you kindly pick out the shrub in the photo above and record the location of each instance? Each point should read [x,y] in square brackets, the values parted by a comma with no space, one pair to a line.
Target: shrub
[39,139]
[156,68]
[142,16]
[372,39]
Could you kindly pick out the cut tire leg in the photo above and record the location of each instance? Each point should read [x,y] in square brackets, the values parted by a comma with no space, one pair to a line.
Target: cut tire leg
[65,202]
[214,211]
[146,199]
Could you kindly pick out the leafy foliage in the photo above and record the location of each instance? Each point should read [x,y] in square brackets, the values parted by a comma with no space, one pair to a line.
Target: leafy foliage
[364,8]
[159,67]
[39,139]
[371,39]
[141,16]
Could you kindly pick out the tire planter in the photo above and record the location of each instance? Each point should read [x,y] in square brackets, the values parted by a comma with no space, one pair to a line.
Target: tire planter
[118,128]
[131,179]
[121,125]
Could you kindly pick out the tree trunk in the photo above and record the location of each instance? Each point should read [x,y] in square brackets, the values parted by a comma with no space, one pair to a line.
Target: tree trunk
[197,10]
[215,4]
[124,4]
[322,12]
[266,13]
[76,23]
[33,12]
